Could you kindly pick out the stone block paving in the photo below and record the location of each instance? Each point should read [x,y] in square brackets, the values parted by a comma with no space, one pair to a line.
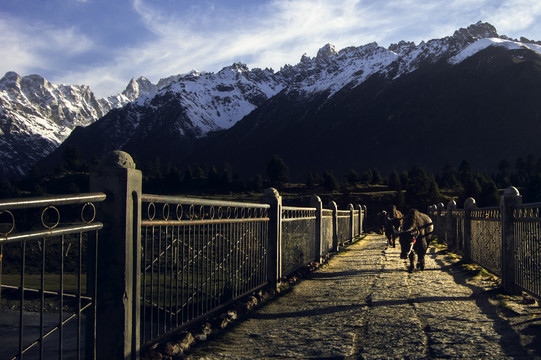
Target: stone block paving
[364,304]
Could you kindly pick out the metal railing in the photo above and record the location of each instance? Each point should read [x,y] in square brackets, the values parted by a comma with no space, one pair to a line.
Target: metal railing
[506,240]
[298,238]
[344,226]
[527,247]
[198,255]
[327,232]
[486,238]
[48,288]
[167,262]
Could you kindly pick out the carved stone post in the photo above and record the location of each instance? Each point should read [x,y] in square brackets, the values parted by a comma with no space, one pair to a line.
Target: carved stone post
[332,205]
[315,201]
[274,271]
[442,227]
[469,205]
[360,208]
[119,257]
[451,226]
[352,221]
[363,217]
[510,200]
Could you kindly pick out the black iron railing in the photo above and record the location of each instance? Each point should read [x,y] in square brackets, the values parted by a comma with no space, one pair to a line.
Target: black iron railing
[47,257]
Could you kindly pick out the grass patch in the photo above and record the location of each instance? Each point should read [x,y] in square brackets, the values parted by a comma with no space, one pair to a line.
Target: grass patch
[453,257]
[476,271]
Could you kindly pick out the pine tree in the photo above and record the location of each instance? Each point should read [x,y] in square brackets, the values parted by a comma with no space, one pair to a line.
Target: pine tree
[277,170]
[329,181]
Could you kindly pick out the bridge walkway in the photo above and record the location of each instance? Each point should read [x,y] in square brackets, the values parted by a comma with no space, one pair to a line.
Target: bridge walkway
[363,304]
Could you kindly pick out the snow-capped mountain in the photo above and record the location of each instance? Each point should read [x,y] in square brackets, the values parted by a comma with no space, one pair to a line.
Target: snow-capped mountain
[36,115]
[169,117]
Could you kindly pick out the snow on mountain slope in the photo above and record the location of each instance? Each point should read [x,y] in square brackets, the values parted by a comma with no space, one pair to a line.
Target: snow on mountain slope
[217,101]
[199,102]
[36,116]
[331,70]
[482,44]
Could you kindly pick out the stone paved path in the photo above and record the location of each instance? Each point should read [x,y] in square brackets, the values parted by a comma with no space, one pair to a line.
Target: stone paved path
[364,305]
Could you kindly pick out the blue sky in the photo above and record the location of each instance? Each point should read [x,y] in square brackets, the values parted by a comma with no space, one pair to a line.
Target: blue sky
[104,43]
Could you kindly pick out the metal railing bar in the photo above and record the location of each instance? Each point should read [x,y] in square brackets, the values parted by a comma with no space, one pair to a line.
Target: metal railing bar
[299,219]
[66,230]
[294,208]
[50,332]
[61,299]
[21,322]
[42,300]
[10,204]
[163,199]
[149,223]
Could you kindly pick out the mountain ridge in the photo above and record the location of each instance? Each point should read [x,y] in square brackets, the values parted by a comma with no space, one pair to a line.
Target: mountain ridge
[182,109]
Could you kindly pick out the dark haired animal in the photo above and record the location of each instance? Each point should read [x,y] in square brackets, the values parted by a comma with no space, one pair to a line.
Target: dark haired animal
[392,223]
[414,237]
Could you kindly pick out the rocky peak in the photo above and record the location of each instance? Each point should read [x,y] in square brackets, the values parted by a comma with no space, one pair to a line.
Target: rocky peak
[140,87]
[476,31]
[235,68]
[402,47]
[305,59]
[11,80]
[326,52]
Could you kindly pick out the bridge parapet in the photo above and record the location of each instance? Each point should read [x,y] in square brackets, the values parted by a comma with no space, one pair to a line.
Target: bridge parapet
[504,239]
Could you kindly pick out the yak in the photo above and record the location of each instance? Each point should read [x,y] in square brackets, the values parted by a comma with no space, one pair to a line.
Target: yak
[414,236]
[391,224]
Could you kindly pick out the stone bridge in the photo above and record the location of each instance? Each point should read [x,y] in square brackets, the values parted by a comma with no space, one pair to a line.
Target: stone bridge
[363,304]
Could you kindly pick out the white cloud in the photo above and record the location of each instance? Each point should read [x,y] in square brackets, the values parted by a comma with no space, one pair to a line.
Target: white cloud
[208,35]
[26,46]
[514,15]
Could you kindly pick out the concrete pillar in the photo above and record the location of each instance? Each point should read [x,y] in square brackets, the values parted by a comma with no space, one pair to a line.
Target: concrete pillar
[450,227]
[315,201]
[360,208]
[441,224]
[119,257]
[352,220]
[510,200]
[469,205]
[364,215]
[332,205]
[274,271]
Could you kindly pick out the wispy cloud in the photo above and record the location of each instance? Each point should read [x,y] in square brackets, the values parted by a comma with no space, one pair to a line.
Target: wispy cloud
[514,15]
[207,35]
[28,46]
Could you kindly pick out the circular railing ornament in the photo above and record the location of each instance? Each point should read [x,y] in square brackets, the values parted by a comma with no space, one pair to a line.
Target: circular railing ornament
[93,217]
[44,220]
[5,234]
[179,212]
[165,211]
[151,211]
[191,213]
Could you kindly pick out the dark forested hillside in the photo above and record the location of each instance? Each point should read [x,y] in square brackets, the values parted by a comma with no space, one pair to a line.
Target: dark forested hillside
[483,109]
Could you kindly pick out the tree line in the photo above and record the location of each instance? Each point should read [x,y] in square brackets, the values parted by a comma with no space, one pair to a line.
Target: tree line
[411,187]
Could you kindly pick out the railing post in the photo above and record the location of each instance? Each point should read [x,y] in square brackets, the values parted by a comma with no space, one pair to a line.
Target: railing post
[360,208]
[119,257]
[469,205]
[352,221]
[274,272]
[451,226]
[363,217]
[441,225]
[315,201]
[332,205]
[510,200]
